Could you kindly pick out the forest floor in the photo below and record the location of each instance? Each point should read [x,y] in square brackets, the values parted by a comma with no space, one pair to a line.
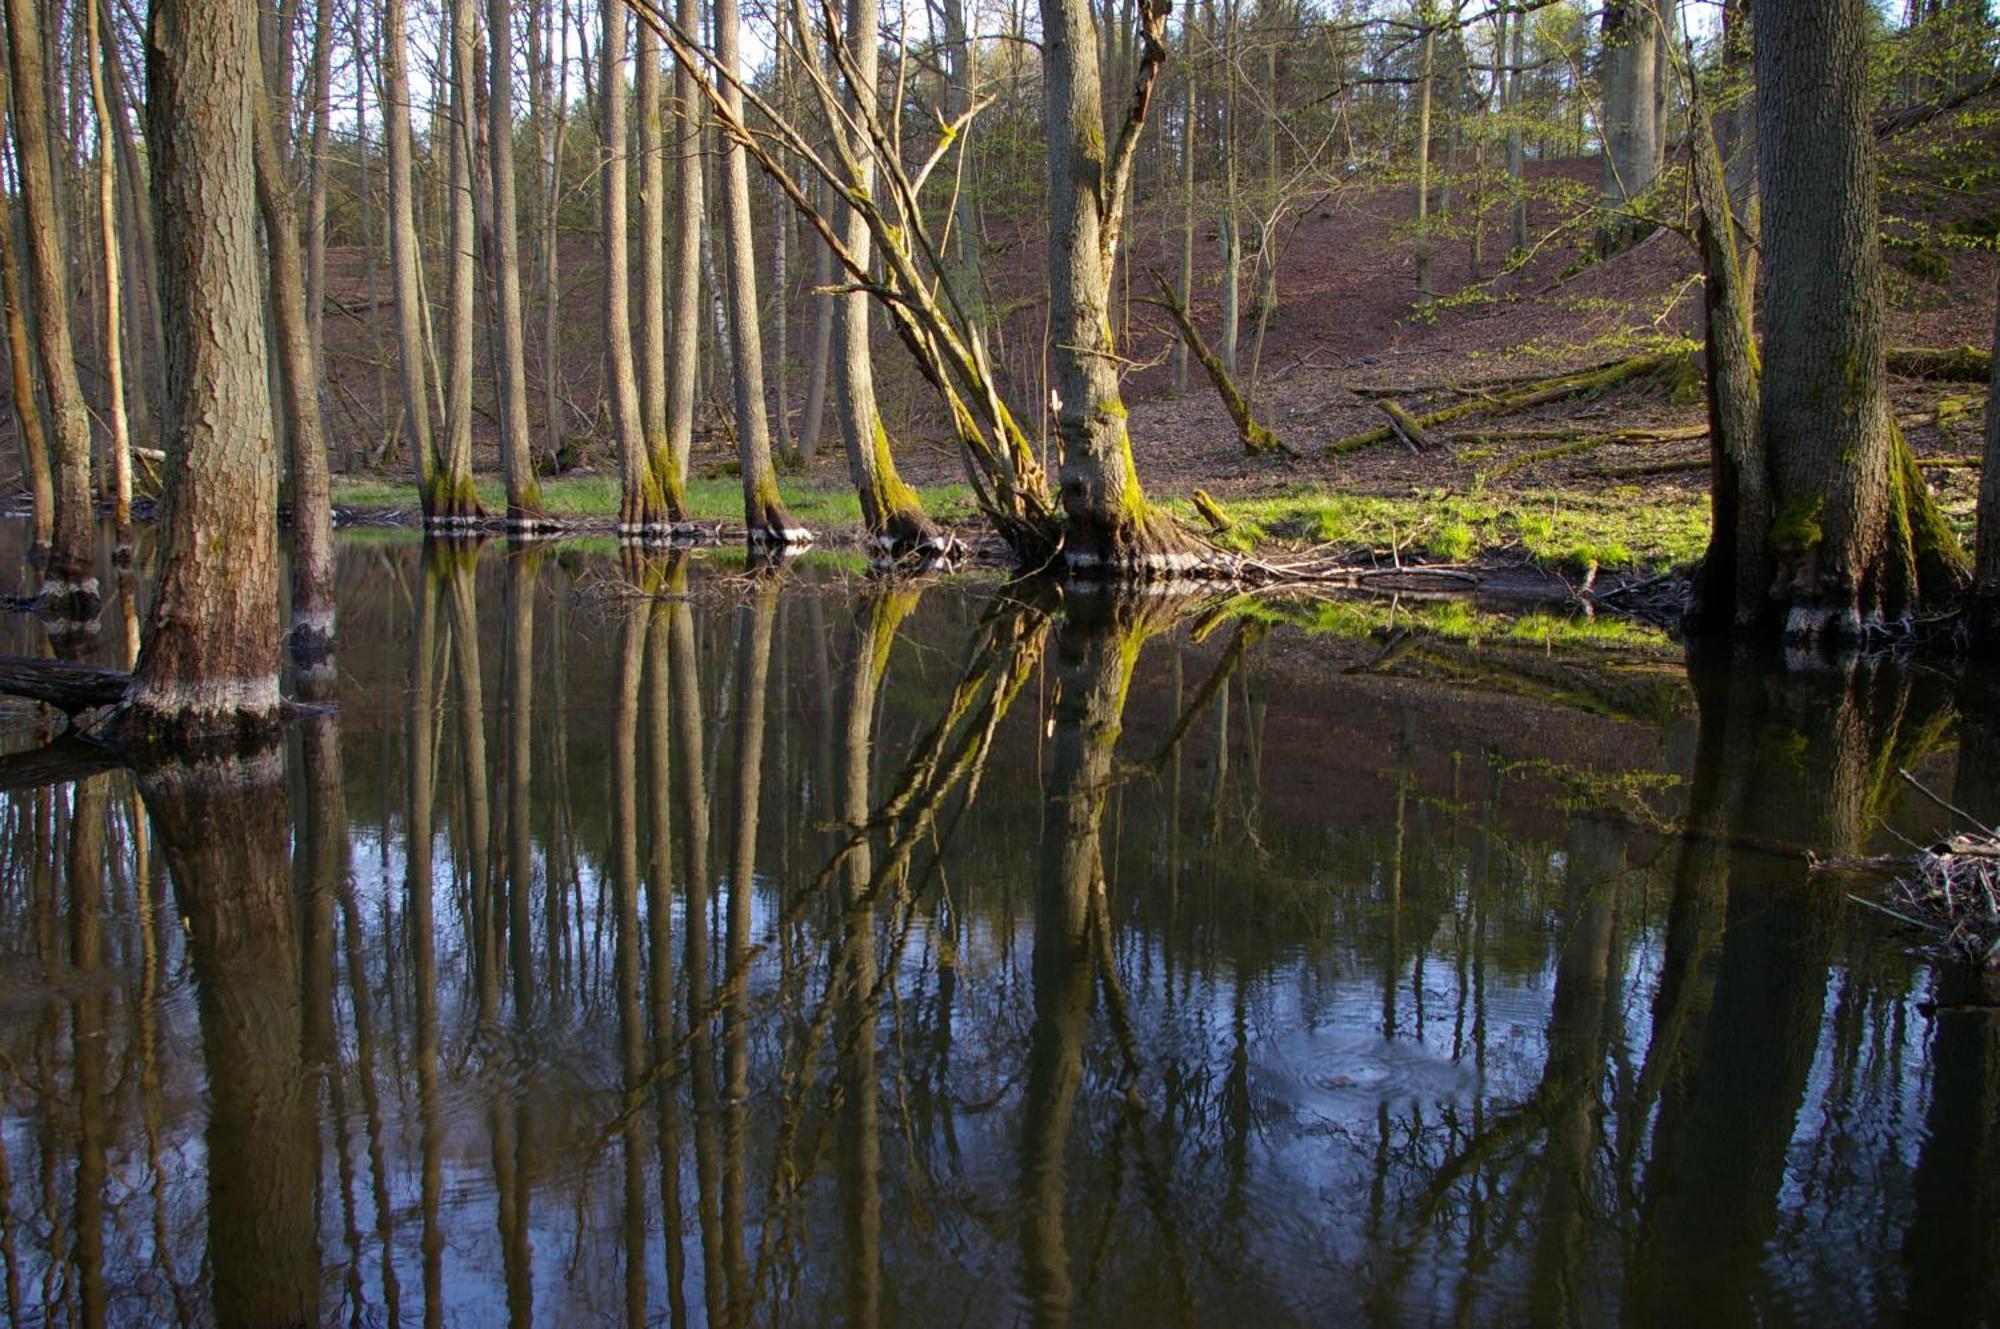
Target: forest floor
[1565,487]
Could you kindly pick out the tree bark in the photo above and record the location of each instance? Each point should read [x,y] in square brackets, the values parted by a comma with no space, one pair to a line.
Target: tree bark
[1630,122]
[210,661]
[763,511]
[1425,80]
[1856,536]
[517,462]
[69,585]
[890,509]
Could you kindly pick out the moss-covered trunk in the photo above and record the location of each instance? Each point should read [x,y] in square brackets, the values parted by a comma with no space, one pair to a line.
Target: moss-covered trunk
[1857,539]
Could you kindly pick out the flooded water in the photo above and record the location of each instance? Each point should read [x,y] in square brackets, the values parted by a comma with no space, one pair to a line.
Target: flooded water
[650,943]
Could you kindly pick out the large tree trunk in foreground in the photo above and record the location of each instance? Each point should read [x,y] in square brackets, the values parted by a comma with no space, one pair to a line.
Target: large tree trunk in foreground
[517,463]
[210,662]
[1856,536]
[1108,527]
[405,259]
[763,511]
[890,509]
[68,582]
[312,516]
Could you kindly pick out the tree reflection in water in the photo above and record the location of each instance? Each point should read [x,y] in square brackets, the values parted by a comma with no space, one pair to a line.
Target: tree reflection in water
[1081,962]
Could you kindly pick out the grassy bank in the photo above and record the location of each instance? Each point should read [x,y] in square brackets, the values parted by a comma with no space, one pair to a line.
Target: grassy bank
[1614,529]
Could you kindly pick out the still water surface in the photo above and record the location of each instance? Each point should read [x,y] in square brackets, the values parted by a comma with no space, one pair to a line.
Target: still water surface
[811,950]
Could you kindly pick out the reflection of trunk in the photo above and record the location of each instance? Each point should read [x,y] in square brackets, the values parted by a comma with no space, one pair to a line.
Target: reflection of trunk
[86,870]
[1094,662]
[688,706]
[460,567]
[1951,1252]
[1569,1091]
[235,893]
[1796,767]
[420,909]
[753,654]
[524,568]
[659,919]
[625,931]
[860,1141]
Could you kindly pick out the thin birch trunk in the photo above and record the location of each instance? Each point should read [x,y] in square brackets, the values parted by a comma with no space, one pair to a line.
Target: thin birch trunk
[107,239]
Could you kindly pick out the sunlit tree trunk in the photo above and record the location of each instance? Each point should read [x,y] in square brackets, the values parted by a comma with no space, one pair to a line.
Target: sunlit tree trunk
[652,352]
[1856,534]
[763,511]
[1424,81]
[1517,208]
[69,585]
[517,462]
[454,502]
[316,165]
[1189,97]
[210,661]
[1108,526]
[1630,120]
[1986,571]
[822,344]
[684,367]
[107,238]
[890,509]
[640,499]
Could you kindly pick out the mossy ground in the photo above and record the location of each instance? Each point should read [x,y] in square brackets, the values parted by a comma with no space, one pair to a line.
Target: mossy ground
[1615,529]
[709,499]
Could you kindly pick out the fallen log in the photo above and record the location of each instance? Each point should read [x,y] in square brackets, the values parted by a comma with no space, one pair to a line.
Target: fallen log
[1591,442]
[69,688]
[1538,393]
[1256,437]
[1947,364]
[1406,426]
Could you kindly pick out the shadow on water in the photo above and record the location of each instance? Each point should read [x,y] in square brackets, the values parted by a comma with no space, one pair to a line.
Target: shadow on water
[654,940]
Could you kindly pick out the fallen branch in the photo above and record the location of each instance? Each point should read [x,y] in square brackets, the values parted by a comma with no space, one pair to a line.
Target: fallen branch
[1537,393]
[1950,364]
[1256,438]
[67,687]
[1406,426]
[1591,442]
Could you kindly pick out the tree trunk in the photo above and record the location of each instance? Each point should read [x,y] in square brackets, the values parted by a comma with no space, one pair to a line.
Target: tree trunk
[763,511]
[415,353]
[822,346]
[1186,287]
[640,502]
[27,412]
[1517,207]
[69,584]
[1737,567]
[517,462]
[1630,125]
[1987,567]
[890,509]
[107,239]
[1424,82]
[316,196]
[652,351]
[210,661]
[454,502]
[298,373]
[1109,529]
[684,370]
[1229,234]
[1856,537]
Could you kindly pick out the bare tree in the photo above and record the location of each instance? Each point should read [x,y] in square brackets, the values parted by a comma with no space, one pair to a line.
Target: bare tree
[107,239]
[517,463]
[640,502]
[454,501]
[405,258]
[20,357]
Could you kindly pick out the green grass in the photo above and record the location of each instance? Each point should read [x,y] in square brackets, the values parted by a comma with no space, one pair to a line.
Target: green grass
[1460,621]
[721,499]
[1617,530]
